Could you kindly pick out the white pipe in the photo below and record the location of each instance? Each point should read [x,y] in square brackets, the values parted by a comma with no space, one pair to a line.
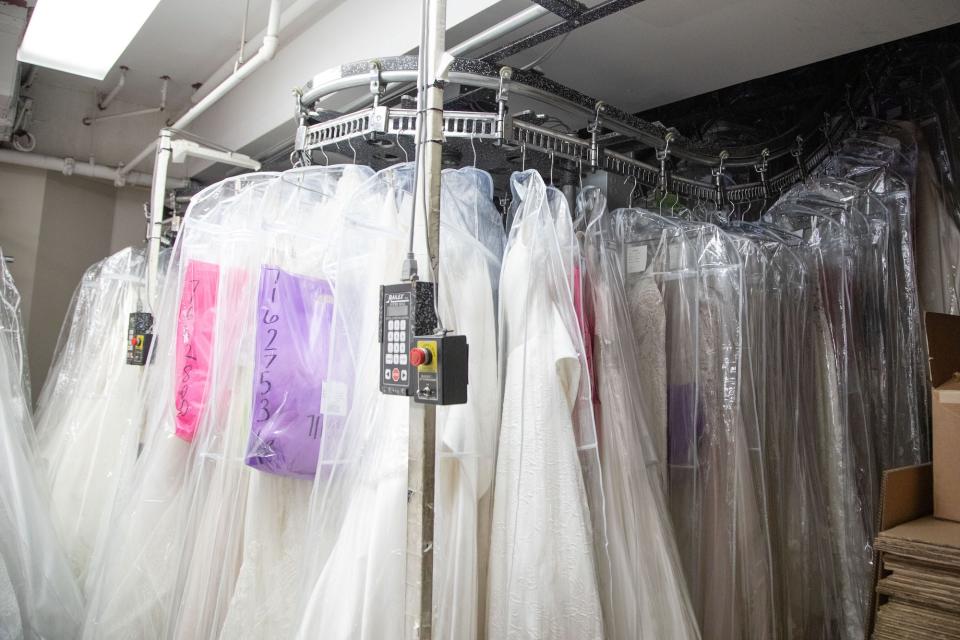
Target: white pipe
[69,166]
[508,25]
[105,102]
[157,196]
[88,120]
[263,55]
[291,15]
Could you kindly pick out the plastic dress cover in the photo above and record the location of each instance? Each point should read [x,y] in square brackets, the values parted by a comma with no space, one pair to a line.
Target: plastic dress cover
[648,594]
[938,251]
[691,274]
[472,241]
[776,364]
[87,416]
[356,560]
[938,233]
[136,561]
[884,167]
[543,576]
[833,253]
[355,585]
[215,348]
[39,597]
[288,344]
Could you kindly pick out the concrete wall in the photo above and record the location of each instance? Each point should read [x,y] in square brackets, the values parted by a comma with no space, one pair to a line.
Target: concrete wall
[129,223]
[75,232]
[21,209]
[56,226]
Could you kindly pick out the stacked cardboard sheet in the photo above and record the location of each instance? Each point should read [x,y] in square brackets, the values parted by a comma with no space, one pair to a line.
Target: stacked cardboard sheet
[918,561]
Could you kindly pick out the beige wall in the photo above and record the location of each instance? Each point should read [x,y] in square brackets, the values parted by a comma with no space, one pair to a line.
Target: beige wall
[75,232]
[56,226]
[129,223]
[21,208]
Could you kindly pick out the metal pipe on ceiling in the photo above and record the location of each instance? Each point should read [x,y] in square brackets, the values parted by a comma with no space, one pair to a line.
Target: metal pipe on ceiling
[69,166]
[266,52]
[105,101]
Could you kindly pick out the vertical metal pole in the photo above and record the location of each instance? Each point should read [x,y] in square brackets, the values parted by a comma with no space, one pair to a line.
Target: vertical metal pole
[155,228]
[422,437]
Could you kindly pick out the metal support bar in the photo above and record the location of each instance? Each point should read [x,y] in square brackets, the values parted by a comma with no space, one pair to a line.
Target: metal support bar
[566,9]
[155,228]
[421,451]
[589,15]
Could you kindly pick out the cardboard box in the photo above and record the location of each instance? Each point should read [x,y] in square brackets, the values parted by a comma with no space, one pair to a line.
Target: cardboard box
[916,562]
[943,345]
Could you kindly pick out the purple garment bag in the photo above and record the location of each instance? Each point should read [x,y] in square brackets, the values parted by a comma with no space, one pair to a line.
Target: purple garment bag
[294,316]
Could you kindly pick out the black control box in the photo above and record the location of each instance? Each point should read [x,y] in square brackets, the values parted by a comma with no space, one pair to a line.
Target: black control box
[406,310]
[440,371]
[139,337]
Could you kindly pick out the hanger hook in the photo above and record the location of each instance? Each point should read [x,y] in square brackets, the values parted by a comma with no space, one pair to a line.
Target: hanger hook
[326,159]
[474,148]
[350,144]
[406,157]
[551,168]
[523,156]
[632,189]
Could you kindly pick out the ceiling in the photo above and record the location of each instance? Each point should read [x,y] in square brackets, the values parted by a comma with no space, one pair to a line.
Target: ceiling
[653,53]
[660,51]
[186,40]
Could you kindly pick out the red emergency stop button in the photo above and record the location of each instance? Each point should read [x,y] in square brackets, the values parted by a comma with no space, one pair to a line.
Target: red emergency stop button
[134,341]
[419,356]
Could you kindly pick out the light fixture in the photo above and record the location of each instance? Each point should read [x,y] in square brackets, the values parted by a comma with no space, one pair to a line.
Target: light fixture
[84,37]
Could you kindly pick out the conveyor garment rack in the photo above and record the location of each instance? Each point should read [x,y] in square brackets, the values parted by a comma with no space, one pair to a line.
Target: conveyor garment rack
[520,133]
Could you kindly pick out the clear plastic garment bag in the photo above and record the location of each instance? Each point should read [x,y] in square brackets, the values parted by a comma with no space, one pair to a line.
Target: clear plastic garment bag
[776,364]
[833,253]
[151,528]
[87,418]
[39,597]
[285,349]
[690,274]
[885,168]
[472,241]
[356,557]
[648,595]
[355,578]
[548,500]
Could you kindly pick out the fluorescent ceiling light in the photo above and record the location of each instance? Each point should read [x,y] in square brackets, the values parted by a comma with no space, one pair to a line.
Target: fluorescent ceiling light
[85,37]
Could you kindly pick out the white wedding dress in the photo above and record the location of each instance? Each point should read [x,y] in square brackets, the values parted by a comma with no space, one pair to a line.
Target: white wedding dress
[359,519]
[87,421]
[134,574]
[302,228]
[39,597]
[542,575]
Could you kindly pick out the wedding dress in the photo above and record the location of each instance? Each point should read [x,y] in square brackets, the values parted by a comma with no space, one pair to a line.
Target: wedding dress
[716,482]
[39,597]
[354,583]
[543,573]
[294,313]
[132,587]
[471,248]
[356,586]
[86,418]
[647,592]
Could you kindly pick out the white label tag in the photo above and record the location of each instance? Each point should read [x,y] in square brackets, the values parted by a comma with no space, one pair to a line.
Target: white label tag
[333,398]
[636,258]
